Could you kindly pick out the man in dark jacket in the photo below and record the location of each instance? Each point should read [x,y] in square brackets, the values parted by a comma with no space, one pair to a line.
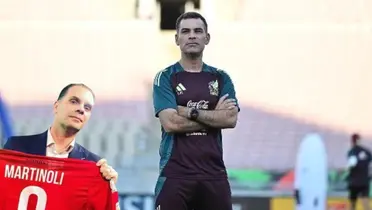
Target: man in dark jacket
[72,111]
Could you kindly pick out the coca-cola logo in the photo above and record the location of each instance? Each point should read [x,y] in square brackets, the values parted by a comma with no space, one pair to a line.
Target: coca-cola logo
[203,104]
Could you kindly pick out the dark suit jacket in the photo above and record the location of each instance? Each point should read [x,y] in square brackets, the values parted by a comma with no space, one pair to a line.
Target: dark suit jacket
[36,145]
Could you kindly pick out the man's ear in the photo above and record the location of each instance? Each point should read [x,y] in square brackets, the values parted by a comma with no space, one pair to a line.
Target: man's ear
[55,107]
[176,39]
[207,39]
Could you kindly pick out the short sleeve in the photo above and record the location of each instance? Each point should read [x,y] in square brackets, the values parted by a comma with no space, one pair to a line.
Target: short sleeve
[350,153]
[351,158]
[369,155]
[228,87]
[163,95]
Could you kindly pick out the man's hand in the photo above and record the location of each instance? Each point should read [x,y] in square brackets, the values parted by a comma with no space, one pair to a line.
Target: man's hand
[107,171]
[225,114]
[183,111]
[173,122]
[225,103]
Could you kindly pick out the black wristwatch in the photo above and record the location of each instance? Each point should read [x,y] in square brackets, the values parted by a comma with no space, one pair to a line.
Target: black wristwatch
[193,114]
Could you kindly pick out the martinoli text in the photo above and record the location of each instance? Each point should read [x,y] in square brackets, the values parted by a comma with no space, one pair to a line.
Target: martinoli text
[34,174]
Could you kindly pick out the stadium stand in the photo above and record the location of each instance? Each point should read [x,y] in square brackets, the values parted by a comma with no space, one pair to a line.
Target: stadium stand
[259,153]
[262,140]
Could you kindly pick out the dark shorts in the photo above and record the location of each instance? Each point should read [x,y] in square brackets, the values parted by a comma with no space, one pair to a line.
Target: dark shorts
[358,191]
[180,194]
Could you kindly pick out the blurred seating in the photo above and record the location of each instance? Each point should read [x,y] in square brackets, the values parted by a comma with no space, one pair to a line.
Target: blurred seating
[81,10]
[129,138]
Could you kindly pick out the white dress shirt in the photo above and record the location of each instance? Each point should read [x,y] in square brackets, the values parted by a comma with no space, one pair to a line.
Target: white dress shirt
[51,150]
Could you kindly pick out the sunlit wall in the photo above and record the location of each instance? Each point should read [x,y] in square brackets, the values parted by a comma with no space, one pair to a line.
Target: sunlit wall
[309,59]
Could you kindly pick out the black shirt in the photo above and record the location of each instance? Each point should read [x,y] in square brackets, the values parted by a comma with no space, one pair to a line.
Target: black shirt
[359,174]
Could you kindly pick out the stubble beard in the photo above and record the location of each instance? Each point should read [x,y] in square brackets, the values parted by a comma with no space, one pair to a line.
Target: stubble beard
[70,130]
[194,55]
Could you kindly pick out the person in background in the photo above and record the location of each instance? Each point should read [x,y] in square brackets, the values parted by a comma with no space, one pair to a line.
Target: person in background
[359,159]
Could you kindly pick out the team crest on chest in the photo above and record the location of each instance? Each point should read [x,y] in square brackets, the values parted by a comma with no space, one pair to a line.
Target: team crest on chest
[213,87]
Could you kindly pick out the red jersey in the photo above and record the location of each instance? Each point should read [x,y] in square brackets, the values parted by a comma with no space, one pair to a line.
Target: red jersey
[30,182]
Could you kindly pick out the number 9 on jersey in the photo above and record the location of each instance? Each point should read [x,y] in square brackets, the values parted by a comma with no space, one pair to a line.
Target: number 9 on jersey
[25,196]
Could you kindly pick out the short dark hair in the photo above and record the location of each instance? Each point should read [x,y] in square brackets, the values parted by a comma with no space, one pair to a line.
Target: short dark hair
[191,15]
[355,137]
[65,90]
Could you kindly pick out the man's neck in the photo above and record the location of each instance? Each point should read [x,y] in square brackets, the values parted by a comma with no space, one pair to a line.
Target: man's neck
[191,64]
[61,136]
[355,146]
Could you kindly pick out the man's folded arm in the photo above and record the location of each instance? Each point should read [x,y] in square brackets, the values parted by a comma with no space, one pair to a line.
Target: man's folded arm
[172,122]
[219,118]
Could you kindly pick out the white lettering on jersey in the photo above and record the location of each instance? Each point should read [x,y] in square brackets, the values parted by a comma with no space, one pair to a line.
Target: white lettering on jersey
[25,196]
[203,104]
[34,174]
